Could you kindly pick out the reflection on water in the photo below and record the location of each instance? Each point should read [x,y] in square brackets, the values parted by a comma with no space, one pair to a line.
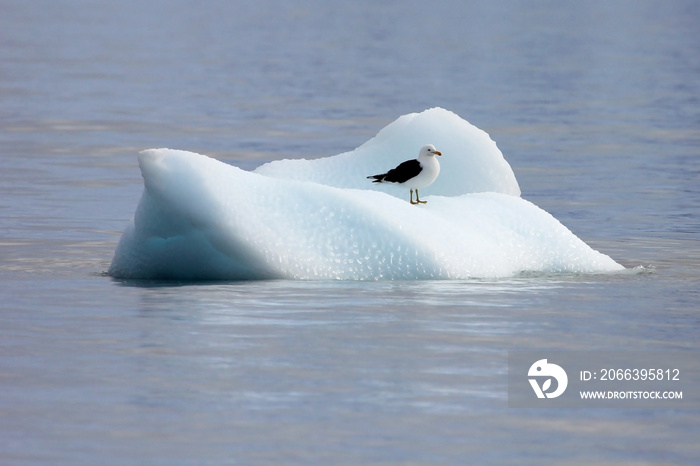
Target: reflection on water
[235,365]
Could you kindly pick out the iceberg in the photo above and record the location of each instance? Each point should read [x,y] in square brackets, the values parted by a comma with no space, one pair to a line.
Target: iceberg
[202,219]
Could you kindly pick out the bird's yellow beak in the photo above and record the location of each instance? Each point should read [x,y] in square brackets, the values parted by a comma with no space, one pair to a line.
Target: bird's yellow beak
[437,153]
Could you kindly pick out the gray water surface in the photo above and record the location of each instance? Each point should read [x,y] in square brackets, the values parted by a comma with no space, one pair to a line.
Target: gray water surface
[594,104]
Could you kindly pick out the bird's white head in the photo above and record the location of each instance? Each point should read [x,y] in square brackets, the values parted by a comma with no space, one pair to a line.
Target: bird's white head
[428,150]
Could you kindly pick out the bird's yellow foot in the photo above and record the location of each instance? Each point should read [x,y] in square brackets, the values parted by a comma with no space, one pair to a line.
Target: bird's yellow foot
[417,201]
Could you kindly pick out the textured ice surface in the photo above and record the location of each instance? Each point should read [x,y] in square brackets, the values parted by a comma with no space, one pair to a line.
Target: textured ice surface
[200,218]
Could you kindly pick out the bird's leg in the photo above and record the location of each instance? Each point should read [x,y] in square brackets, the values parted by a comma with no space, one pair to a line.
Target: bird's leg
[412,197]
[418,201]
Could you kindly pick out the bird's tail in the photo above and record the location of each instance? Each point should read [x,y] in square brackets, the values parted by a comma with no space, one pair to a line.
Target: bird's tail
[377,178]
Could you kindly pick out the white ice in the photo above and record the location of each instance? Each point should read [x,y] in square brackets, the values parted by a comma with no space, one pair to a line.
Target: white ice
[200,219]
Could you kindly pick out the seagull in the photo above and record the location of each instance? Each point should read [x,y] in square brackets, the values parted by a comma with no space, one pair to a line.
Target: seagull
[414,174]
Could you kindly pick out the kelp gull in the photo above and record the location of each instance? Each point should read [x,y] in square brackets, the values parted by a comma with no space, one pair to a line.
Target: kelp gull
[414,174]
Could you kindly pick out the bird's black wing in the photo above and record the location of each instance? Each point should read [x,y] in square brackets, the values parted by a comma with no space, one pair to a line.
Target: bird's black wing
[403,172]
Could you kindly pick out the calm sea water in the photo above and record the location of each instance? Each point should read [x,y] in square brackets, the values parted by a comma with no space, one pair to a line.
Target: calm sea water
[596,105]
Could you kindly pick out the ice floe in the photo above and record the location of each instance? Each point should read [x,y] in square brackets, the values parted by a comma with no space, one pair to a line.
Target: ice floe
[202,219]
